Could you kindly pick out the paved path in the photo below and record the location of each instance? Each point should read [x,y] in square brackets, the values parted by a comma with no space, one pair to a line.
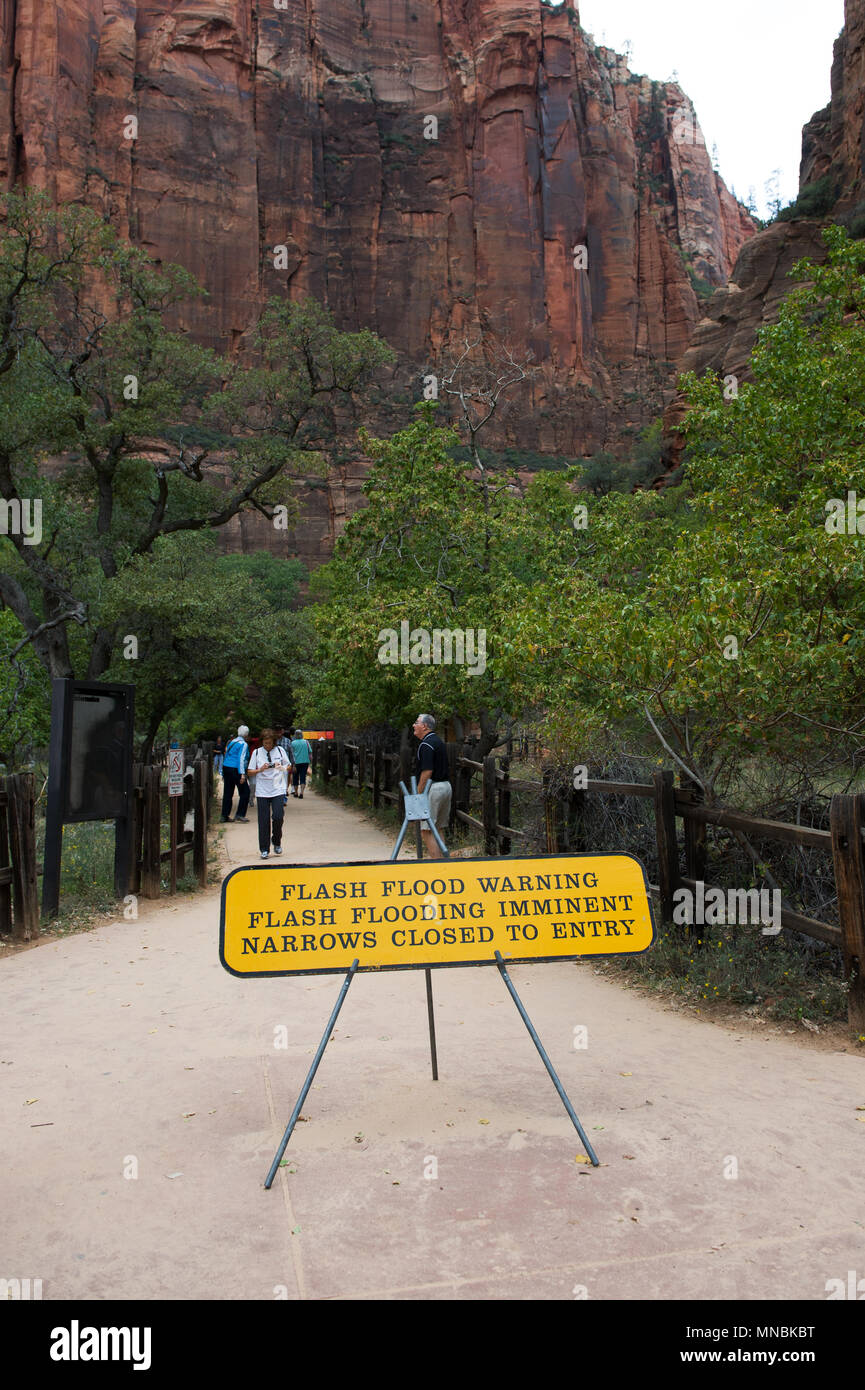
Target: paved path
[138,1052]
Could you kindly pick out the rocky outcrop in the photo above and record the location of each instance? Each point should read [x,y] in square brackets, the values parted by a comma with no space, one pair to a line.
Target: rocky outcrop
[427,167]
[832,150]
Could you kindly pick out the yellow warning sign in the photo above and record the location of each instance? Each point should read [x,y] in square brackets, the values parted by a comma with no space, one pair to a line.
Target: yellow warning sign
[305,919]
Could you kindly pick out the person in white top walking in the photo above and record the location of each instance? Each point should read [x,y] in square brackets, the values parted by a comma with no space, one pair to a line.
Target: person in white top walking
[269,765]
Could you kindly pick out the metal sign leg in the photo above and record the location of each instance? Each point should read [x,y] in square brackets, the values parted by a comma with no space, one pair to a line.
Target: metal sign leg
[545,1059]
[432,1024]
[310,1075]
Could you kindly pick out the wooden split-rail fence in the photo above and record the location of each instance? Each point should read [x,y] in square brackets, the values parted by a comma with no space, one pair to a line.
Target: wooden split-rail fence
[20,873]
[360,764]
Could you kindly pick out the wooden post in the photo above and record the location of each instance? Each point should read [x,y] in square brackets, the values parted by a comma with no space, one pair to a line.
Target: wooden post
[207,758]
[376,775]
[340,764]
[695,833]
[452,753]
[505,804]
[361,765]
[172,841]
[405,770]
[137,804]
[464,785]
[199,823]
[577,821]
[665,830]
[551,814]
[488,814]
[151,872]
[5,866]
[22,845]
[845,824]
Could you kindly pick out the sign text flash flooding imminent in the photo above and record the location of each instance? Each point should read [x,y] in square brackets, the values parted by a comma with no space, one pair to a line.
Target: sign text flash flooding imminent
[286,919]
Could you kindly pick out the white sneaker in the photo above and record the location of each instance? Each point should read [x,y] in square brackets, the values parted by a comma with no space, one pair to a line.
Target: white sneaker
[264,854]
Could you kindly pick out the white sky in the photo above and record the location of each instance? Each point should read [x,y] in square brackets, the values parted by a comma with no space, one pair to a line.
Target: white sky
[756,71]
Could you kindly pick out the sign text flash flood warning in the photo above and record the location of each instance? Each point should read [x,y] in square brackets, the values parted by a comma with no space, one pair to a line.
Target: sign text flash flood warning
[288,919]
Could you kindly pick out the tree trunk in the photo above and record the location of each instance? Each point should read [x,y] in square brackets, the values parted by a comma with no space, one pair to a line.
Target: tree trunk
[100,653]
[489,733]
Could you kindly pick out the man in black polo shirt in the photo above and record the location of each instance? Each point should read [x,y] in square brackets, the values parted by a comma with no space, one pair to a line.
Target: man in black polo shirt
[432,767]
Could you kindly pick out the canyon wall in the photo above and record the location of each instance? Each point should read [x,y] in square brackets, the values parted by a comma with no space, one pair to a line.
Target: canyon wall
[304,124]
[832,151]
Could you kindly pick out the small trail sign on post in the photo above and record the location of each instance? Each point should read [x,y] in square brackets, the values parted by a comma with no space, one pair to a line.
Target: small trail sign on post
[176,769]
[175,790]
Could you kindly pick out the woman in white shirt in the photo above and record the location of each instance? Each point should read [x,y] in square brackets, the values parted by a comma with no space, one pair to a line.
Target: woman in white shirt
[269,765]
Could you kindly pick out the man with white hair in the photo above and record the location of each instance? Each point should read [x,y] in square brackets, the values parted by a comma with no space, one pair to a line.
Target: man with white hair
[432,764]
[234,775]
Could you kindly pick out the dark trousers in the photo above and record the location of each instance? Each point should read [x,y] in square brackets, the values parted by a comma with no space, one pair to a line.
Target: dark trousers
[300,771]
[230,780]
[270,806]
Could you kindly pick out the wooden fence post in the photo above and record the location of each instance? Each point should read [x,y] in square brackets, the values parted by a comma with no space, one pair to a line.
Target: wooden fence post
[845,824]
[151,867]
[504,812]
[199,823]
[551,813]
[488,813]
[405,770]
[665,830]
[452,753]
[695,833]
[464,785]
[376,775]
[5,866]
[22,844]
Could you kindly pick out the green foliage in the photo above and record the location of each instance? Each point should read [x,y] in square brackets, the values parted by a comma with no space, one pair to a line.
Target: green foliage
[25,698]
[439,548]
[814,200]
[641,630]
[162,439]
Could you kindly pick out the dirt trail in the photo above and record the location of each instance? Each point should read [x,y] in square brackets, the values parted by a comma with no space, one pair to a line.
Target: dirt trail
[129,1049]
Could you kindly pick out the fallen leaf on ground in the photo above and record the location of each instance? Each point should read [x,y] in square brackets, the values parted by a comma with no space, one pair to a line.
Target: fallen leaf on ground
[34,1101]
[626,1073]
[483,1122]
[627,1155]
[581,1158]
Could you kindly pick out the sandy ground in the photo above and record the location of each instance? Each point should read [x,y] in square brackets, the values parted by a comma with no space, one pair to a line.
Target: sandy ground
[144,1099]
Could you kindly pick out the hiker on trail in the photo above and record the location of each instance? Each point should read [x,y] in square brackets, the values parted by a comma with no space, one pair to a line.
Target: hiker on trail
[234,775]
[302,754]
[432,766]
[283,742]
[218,755]
[269,766]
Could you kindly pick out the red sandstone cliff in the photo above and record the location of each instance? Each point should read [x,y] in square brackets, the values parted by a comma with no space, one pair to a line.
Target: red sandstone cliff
[832,149]
[305,127]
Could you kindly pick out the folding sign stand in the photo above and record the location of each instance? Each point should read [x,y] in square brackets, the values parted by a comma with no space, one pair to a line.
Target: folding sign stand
[417,809]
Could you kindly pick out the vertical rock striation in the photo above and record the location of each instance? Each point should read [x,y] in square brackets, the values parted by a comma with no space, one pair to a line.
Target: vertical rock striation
[305,127]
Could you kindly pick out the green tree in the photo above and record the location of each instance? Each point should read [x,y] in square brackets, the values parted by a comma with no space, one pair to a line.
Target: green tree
[159,436]
[442,546]
[722,616]
[196,620]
